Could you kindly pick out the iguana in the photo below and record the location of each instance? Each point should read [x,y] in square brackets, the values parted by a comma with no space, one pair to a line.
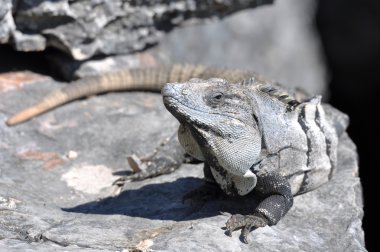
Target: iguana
[254,136]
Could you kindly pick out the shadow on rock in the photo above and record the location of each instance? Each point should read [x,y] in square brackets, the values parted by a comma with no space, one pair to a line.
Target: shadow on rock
[163,201]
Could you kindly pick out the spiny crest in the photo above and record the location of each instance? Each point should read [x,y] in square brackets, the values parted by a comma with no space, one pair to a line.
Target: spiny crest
[281,95]
[247,82]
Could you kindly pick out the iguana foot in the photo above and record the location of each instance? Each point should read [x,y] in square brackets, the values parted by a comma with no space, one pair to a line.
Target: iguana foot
[204,193]
[246,223]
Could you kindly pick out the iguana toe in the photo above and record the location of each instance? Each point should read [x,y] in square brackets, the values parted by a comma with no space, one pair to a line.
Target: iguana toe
[246,223]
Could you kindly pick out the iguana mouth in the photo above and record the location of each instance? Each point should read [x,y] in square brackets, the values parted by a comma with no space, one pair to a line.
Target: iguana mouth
[179,110]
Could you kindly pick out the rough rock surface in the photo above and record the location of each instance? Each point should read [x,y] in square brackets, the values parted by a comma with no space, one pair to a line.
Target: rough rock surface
[56,187]
[83,29]
[278,41]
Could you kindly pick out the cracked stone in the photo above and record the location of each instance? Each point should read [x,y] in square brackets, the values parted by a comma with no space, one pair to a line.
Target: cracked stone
[83,29]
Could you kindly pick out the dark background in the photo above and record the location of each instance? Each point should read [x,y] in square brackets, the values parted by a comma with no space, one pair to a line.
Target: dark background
[350,33]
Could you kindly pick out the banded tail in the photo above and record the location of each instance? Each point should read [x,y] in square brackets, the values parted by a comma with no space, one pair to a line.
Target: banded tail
[144,79]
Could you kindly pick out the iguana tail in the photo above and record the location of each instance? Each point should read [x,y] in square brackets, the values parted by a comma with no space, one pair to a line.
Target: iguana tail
[146,79]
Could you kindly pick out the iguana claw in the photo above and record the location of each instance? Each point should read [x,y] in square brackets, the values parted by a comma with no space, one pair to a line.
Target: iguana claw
[246,223]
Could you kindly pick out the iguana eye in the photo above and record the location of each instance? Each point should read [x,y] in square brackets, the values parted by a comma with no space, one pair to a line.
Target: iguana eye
[214,99]
[217,96]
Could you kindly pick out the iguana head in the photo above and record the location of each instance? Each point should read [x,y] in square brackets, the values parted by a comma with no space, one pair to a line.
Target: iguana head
[221,118]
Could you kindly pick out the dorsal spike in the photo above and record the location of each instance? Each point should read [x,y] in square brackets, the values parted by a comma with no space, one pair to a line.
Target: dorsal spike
[249,81]
[293,103]
[267,88]
[281,95]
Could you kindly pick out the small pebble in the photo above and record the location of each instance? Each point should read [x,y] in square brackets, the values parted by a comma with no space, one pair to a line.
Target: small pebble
[72,154]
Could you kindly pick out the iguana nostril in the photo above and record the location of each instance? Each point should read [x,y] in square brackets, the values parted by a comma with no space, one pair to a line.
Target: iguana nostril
[185,91]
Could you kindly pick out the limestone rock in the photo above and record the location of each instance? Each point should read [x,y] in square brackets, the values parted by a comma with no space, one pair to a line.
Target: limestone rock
[83,29]
[51,202]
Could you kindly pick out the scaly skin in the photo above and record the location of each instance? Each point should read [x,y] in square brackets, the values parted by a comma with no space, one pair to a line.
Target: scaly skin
[145,79]
[255,139]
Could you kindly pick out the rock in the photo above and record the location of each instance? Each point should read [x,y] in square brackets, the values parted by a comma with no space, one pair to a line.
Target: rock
[48,207]
[7,25]
[278,41]
[26,43]
[69,69]
[83,29]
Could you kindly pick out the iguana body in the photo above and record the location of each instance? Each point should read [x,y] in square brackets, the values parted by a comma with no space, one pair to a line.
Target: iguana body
[275,133]
[254,137]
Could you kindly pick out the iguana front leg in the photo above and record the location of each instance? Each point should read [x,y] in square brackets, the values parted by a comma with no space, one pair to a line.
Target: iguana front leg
[278,200]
